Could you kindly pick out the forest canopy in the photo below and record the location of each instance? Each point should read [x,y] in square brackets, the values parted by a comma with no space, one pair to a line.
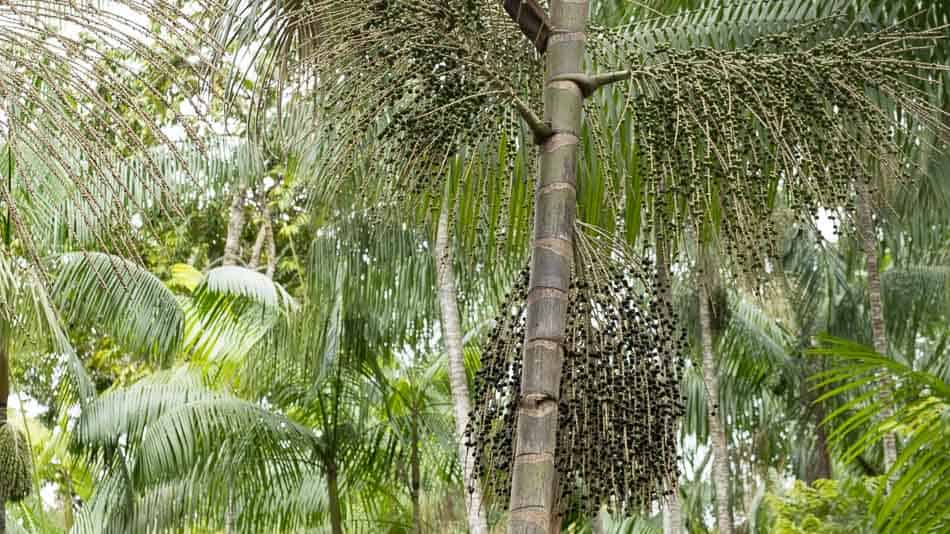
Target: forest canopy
[525,266]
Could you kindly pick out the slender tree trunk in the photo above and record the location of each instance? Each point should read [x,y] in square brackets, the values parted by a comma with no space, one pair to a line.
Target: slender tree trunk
[67,496]
[822,467]
[458,381]
[232,244]
[717,435]
[673,515]
[193,257]
[4,332]
[533,488]
[878,332]
[415,481]
[229,515]
[265,236]
[333,495]
[271,247]
[4,395]
[255,259]
[672,512]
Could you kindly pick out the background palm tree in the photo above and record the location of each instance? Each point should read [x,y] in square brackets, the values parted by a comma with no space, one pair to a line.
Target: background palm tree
[353,285]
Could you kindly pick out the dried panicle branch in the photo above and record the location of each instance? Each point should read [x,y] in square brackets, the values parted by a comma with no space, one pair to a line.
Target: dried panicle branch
[403,82]
[723,135]
[620,400]
[72,122]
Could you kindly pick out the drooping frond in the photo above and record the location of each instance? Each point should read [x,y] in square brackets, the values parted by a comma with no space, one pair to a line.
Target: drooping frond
[194,453]
[754,353]
[232,281]
[127,411]
[124,300]
[238,439]
[915,297]
[369,292]
[919,401]
[191,502]
[27,310]
[111,505]
[151,185]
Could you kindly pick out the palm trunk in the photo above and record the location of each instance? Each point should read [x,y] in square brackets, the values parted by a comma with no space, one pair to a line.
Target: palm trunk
[822,467]
[672,512]
[597,523]
[4,333]
[878,333]
[672,516]
[232,244]
[458,381]
[333,496]
[533,484]
[229,515]
[255,259]
[717,435]
[265,236]
[67,496]
[4,395]
[415,482]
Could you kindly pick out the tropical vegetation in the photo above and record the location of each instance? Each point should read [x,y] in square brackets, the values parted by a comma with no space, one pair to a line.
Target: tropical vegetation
[524,266]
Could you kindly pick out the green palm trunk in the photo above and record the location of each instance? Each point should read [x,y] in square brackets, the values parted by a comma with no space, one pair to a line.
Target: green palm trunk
[533,489]
[415,475]
[333,496]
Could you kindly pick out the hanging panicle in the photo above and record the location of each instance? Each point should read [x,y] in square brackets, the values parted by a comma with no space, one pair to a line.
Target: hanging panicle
[620,399]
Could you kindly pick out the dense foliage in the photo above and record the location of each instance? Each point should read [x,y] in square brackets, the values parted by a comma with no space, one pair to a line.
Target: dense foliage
[265,266]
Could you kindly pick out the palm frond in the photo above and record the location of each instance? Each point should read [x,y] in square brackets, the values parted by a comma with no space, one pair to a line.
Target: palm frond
[722,24]
[754,356]
[29,312]
[127,412]
[914,296]
[369,292]
[235,438]
[110,507]
[124,300]
[919,402]
[58,123]
[198,450]
[232,281]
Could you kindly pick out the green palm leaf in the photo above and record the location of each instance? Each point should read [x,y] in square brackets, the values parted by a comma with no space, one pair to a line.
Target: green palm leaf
[231,309]
[71,117]
[919,401]
[124,300]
